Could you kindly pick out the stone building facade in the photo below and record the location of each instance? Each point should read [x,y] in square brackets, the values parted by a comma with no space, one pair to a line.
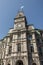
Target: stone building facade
[23,45]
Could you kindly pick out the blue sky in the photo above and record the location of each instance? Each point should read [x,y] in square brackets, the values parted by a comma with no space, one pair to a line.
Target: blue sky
[33,10]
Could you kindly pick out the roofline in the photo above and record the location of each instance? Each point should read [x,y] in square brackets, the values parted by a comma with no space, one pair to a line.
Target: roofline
[39,29]
[19,17]
[30,25]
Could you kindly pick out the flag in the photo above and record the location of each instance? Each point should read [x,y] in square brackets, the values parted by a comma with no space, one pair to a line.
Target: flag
[22,7]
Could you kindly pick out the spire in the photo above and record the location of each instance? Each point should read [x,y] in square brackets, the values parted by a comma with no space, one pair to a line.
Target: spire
[20,12]
[21,5]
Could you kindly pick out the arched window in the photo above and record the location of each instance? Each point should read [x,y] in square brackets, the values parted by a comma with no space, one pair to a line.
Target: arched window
[8,64]
[19,62]
[34,64]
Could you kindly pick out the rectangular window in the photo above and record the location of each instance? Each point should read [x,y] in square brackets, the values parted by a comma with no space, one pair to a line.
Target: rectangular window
[19,36]
[31,48]
[19,47]
[42,34]
[30,37]
[41,62]
[10,49]
[40,51]
[11,36]
[39,40]
[0,61]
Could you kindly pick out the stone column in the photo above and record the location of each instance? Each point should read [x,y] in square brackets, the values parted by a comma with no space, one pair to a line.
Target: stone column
[4,62]
[11,61]
[7,49]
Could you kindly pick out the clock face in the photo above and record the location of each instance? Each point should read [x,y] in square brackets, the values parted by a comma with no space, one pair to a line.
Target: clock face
[18,26]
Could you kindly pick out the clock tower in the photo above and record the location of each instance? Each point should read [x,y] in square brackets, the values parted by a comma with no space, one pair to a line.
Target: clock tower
[20,21]
[20,43]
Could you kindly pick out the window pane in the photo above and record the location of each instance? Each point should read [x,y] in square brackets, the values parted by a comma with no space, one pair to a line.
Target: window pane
[0,61]
[19,47]
[10,49]
[30,37]
[40,51]
[19,36]
[32,48]
[41,62]
[11,37]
